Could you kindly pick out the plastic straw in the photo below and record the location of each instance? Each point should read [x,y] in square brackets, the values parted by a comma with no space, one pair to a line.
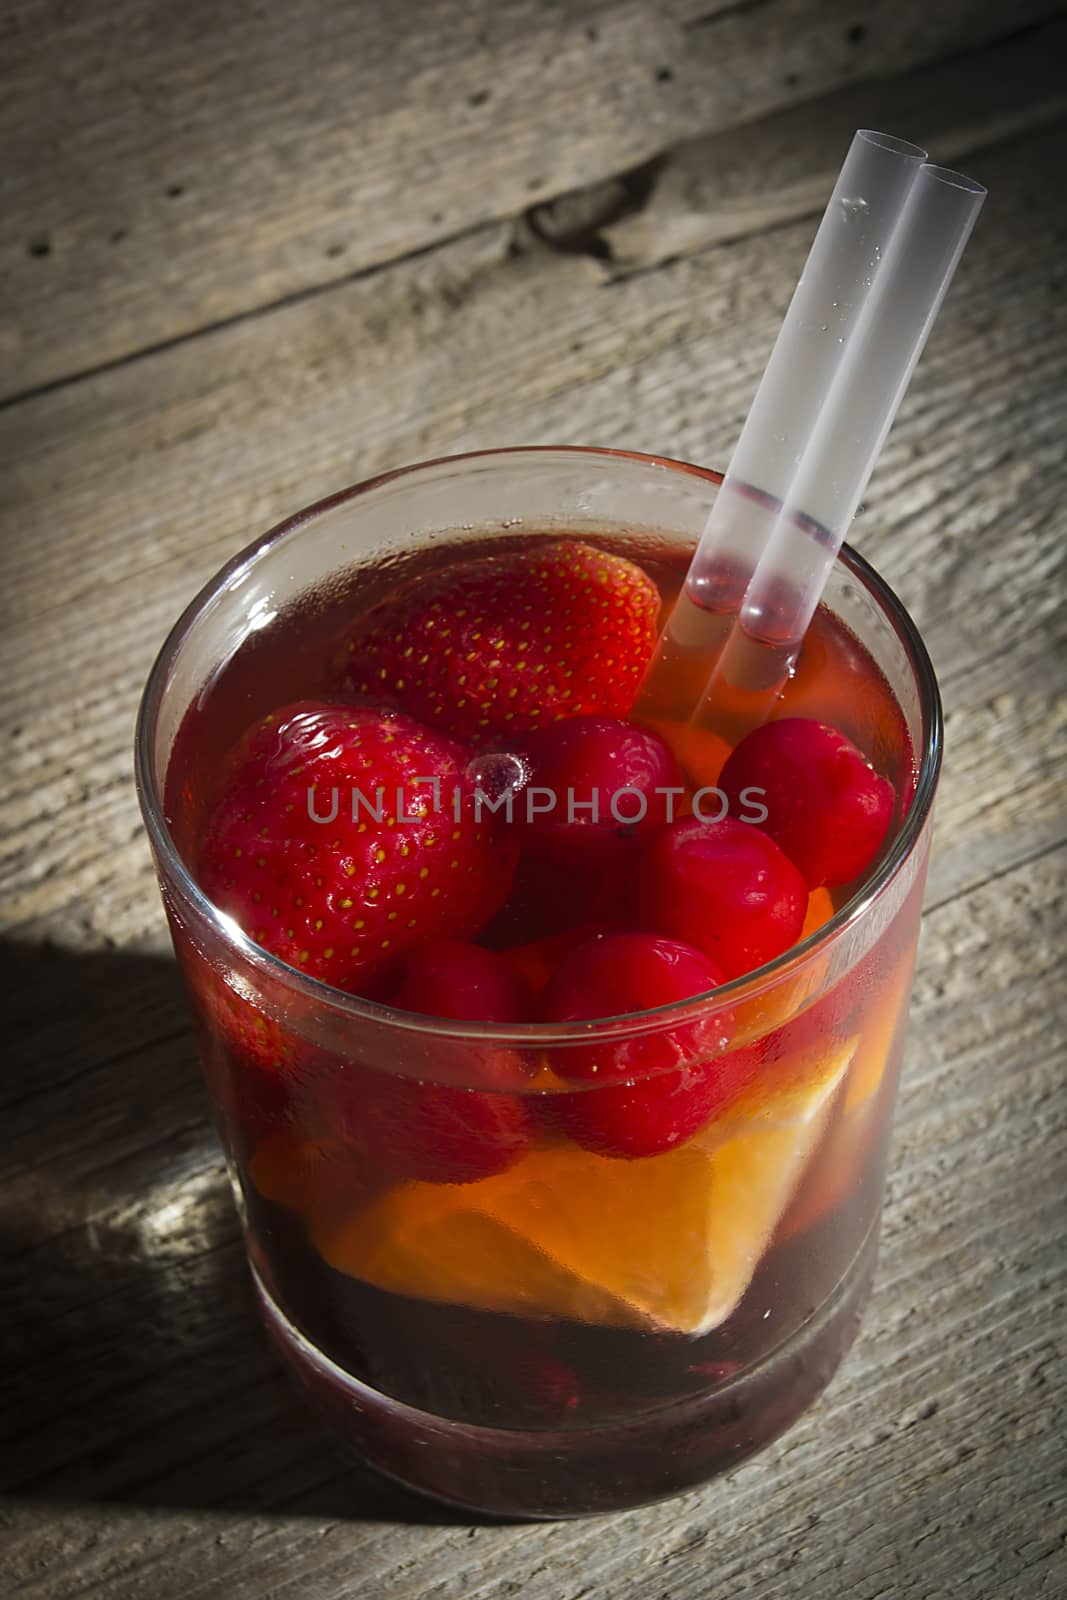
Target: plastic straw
[845,258]
[878,270]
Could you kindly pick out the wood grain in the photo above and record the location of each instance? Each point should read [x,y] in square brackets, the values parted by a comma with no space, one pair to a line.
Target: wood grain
[170,167]
[166,1415]
[133,485]
[740,181]
[149,1447]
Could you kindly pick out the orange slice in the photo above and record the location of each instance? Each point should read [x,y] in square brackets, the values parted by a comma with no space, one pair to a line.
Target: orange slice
[670,1242]
[316,1179]
[820,910]
[850,1146]
[782,1092]
[883,1023]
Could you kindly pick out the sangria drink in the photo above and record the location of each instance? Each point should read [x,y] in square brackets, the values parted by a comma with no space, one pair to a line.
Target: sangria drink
[553,1052]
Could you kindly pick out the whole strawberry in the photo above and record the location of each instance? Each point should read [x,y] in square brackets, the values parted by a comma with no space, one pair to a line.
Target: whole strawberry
[347,834]
[500,645]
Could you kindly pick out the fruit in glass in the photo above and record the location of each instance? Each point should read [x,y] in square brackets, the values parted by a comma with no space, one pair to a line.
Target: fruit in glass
[553,1052]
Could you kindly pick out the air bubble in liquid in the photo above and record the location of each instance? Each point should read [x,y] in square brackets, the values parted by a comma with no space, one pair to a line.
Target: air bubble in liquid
[497,772]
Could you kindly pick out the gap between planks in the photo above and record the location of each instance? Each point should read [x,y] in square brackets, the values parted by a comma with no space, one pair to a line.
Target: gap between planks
[227,162]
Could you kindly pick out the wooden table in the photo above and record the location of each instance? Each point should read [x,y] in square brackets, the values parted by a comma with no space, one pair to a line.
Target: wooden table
[251,254]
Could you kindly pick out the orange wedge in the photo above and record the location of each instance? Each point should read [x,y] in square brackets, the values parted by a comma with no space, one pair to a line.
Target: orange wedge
[820,910]
[883,1023]
[782,1092]
[668,1243]
[316,1179]
[849,1147]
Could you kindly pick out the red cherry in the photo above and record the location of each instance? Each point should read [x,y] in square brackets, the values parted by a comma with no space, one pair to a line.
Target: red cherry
[724,887]
[682,1076]
[651,1116]
[536,1380]
[602,782]
[624,973]
[449,978]
[826,806]
[545,1382]
[535,962]
[441,1132]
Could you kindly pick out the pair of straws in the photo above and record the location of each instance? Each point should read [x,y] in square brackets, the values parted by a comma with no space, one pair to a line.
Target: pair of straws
[883,257]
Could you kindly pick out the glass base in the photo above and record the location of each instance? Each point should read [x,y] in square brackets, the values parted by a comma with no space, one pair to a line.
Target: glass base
[533,1474]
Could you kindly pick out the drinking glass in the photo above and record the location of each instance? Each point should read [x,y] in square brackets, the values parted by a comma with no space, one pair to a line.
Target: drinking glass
[577,1333]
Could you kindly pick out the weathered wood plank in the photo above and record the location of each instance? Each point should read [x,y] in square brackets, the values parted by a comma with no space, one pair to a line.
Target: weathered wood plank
[164,1397]
[1001,796]
[123,502]
[422,316]
[728,184]
[171,168]
[158,1453]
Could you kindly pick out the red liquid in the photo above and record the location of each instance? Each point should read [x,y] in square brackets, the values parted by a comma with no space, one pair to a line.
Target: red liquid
[650,1399]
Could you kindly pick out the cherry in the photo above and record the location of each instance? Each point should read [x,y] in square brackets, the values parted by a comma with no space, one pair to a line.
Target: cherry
[602,782]
[433,1131]
[725,888]
[679,1077]
[534,963]
[450,978]
[623,973]
[653,1115]
[545,1384]
[826,806]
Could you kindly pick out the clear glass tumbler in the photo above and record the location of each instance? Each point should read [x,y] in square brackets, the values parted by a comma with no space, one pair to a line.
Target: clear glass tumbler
[576,1333]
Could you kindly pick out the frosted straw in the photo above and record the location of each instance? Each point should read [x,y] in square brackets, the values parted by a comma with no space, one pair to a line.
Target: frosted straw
[845,258]
[878,270]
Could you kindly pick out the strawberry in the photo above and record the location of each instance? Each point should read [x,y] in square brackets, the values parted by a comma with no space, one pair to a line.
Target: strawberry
[501,644]
[596,786]
[826,806]
[724,887]
[249,1060]
[312,851]
[433,1132]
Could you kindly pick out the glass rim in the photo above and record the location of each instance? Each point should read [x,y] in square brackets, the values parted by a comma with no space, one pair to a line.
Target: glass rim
[526,1034]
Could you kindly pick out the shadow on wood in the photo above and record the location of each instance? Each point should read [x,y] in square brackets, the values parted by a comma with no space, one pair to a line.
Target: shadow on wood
[136,1368]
